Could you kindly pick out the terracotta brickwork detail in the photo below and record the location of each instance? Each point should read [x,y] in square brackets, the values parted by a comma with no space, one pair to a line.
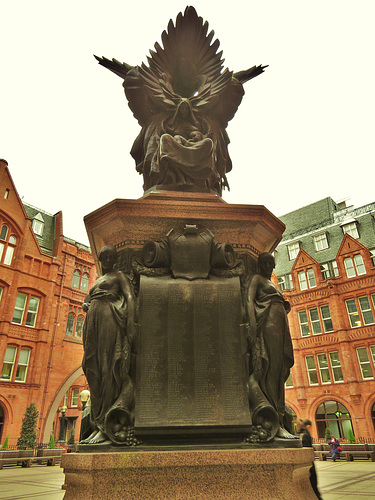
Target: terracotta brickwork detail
[45,274]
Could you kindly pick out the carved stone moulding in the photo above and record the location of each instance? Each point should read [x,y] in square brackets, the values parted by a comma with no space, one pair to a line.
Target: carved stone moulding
[130,223]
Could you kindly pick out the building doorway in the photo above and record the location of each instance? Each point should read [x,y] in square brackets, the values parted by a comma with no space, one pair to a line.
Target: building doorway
[334,415]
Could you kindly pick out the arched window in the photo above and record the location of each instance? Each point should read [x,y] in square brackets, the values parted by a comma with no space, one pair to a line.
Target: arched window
[4,232]
[79,326]
[7,245]
[74,322]
[70,325]
[76,279]
[334,415]
[84,282]
[373,415]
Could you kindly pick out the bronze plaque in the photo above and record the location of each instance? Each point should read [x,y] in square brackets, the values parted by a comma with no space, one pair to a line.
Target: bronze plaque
[190,369]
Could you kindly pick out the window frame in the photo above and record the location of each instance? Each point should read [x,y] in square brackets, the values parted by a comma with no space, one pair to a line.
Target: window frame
[25,365]
[368,362]
[26,308]
[323,369]
[9,347]
[8,243]
[307,279]
[321,240]
[353,324]
[311,370]
[359,310]
[16,364]
[335,367]
[38,227]
[302,323]
[76,318]
[306,323]
[315,322]
[366,311]
[324,319]
[351,228]
[74,398]
[293,250]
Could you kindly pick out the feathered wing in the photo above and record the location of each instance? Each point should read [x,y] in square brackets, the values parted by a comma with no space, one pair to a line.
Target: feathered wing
[120,69]
[187,65]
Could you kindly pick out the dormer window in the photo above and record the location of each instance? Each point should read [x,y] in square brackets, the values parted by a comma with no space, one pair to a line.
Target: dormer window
[321,241]
[293,250]
[38,224]
[351,229]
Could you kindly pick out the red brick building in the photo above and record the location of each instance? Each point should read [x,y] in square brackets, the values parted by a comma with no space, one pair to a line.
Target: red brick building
[325,265]
[44,278]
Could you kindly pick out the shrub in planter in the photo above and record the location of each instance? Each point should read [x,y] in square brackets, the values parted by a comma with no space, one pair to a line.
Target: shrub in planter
[51,444]
[27,437]
[328,434]
[351,437]
[4,446]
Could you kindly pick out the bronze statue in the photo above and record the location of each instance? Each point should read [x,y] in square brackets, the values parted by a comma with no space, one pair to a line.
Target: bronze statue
[183,101]
[271,350]
[108,333]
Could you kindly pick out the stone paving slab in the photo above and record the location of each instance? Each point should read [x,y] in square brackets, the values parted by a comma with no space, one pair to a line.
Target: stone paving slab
[343,480]
[39,482]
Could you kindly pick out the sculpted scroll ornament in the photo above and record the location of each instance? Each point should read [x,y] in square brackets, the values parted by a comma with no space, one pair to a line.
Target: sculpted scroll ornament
[183,100]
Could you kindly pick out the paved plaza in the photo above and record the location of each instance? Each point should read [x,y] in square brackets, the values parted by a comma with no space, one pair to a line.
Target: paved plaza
[337,481]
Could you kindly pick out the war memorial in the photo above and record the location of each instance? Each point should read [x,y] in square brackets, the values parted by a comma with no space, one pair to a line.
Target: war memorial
[186,339]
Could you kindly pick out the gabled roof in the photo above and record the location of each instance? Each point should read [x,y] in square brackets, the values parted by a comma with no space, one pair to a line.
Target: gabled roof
[349,245]
[303,260]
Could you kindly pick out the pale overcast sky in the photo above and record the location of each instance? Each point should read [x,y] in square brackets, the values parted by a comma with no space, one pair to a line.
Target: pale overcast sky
[304,129]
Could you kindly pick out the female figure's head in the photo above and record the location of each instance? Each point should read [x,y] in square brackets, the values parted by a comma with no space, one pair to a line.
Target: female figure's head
[266,264]
[107,257]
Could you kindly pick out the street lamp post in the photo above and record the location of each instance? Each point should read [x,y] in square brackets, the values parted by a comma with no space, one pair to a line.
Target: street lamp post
[85,420]
[62,432]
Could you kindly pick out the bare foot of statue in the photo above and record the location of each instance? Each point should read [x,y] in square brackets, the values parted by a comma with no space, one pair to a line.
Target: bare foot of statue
[283,433]
[91,436]
[99,437]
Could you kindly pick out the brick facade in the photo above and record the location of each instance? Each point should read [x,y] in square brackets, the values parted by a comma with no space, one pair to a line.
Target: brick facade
[330,283]
[40,357]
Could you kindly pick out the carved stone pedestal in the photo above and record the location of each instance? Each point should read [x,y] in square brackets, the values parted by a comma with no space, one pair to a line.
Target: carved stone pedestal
[205,474]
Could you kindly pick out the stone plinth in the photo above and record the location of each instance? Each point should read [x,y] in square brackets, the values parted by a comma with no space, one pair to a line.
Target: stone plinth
[130,223]
[205,474]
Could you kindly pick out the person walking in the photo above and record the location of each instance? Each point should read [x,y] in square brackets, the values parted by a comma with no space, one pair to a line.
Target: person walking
[335,448]
[304,427]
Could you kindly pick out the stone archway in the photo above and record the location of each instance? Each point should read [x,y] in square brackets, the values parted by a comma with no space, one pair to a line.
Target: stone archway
[55,403]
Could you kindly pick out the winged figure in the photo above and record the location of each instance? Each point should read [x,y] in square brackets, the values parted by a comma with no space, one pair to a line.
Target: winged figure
[183,100]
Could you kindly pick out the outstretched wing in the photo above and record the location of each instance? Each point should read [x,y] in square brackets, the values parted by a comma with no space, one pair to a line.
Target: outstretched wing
[247,74]
[120,69]
[187,65]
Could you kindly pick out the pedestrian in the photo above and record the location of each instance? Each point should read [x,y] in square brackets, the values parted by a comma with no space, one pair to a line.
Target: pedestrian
[335,448]
[304,427]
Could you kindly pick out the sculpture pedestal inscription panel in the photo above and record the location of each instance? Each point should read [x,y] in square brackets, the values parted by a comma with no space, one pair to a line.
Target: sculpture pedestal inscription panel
[188,374]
